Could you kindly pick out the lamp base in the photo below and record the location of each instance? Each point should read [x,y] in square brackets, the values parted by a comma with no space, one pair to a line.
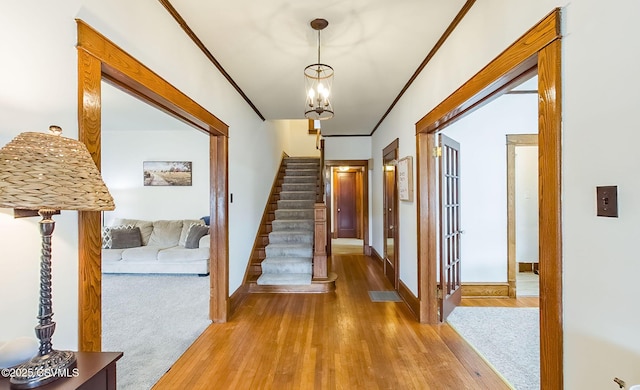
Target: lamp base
[44,369]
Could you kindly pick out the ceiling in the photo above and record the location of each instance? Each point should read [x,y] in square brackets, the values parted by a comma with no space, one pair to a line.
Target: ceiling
[374,46]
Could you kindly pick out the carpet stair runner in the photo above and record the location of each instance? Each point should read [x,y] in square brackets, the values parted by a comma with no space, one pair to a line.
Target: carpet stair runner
[289,254]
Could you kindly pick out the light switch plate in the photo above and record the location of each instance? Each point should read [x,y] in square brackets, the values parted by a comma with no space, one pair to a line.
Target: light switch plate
[607,201]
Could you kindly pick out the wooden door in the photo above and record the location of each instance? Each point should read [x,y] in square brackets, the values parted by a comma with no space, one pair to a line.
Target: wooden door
[346,205]
[450,292]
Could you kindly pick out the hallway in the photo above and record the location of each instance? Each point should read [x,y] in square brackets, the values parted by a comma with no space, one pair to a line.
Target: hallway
[330,341]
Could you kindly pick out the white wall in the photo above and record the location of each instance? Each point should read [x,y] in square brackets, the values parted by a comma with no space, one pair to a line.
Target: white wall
[134,132]
[295,138]
[347,148]
[39,88]
[123,153]
[600,265]
[483,173]
[526,198]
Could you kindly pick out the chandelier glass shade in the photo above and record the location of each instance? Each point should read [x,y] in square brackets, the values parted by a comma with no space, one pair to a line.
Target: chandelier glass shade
[318,83]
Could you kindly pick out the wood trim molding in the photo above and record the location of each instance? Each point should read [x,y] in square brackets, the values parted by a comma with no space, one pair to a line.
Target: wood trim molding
[513,140]
[219,308]
[550,195]
[238,297]
[413,303]
[100,59]
[391,266]
[485,290]
[452,26]
[522,92]
[181,22]
[539,50]
[427,228]
[522,139]
[519,59]
[376,256]
[125,72]
[390,148]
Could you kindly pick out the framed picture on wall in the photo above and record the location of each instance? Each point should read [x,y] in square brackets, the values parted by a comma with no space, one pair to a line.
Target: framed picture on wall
[405,179]
[167,173]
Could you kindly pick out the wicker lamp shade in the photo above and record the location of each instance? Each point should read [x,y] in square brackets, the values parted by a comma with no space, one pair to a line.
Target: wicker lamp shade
[47,171]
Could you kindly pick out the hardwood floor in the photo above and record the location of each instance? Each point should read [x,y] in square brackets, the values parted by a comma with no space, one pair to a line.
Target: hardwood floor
[339,340]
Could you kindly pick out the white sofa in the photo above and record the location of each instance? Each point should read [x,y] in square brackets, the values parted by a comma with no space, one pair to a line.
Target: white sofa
[162,248]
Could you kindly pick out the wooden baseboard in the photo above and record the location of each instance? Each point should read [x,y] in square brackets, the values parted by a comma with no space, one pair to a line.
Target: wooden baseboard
[413,303]
[375,255]
[367,250]
[236,299]
[527,267]
[485,290]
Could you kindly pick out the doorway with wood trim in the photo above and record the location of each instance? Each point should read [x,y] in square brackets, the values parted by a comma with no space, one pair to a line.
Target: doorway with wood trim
[522,215]
[390,213]
[484,201]
[347,195]
[96,62]
[539,49]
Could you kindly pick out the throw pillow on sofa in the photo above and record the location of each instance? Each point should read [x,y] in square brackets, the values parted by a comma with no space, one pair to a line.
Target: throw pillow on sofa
[126,238]
[107,240]
[196,232]
[186,225]
[146,227]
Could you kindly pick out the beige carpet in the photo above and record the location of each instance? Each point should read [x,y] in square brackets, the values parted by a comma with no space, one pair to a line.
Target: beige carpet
[508,338]
[153,319]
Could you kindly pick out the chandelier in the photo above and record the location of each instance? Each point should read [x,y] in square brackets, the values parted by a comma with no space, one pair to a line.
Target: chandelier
[318,80]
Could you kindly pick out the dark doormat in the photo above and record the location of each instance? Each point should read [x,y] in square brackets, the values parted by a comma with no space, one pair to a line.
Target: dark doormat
[384,296]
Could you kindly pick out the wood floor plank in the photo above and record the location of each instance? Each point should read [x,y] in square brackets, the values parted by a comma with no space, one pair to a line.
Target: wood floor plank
[339,340]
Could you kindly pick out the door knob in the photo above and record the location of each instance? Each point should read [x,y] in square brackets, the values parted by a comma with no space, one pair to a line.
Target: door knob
[338,210]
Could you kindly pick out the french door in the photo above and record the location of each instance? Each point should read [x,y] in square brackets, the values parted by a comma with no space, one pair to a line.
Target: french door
[450,292]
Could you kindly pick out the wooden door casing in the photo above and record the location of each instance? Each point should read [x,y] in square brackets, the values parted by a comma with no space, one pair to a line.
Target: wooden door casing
[390,212]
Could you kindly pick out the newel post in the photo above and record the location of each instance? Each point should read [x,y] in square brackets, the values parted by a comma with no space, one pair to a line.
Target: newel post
[320,268]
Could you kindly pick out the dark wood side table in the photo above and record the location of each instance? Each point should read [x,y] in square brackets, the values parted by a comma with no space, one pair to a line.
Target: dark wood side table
[96,371]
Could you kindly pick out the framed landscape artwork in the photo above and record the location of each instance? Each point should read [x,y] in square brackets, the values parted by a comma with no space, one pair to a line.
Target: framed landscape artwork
[167,173]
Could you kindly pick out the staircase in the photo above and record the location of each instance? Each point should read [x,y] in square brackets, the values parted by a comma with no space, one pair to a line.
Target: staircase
[288,254]
[288,257]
